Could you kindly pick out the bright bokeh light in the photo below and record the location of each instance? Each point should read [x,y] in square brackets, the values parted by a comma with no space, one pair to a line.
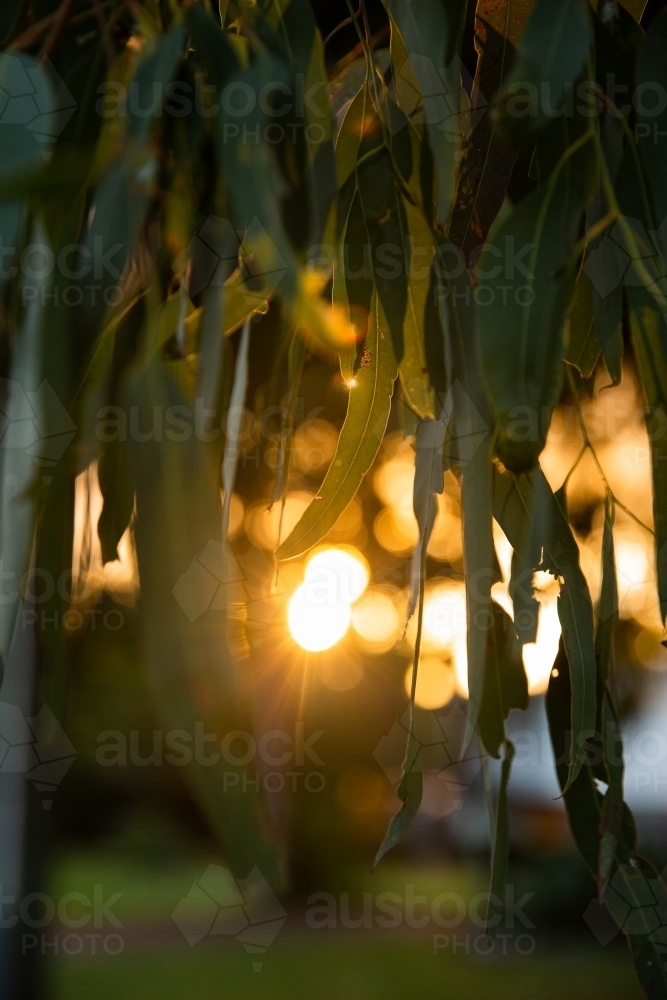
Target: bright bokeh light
[394,480]
[376,622]
[350,524]
[635,577]
[396,530]
[120,576]
[445,614]
[444,628]
[262,524]
[337,574]
[314,626]
[314,445]
[539,656]
[320,611]
[396,526]
[436,682]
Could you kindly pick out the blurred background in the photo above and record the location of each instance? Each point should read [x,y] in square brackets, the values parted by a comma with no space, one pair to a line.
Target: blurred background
[131,894]
[120,827]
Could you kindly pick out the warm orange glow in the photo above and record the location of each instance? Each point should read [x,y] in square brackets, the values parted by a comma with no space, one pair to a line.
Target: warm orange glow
[436,682]
[314,626]
[376,622]
[120,576]
[262,524]
[444,628]
[360,789]
[319,611]
[314,445]
[337,574]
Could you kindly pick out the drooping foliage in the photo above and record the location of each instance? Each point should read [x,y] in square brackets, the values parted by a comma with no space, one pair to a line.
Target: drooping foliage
[477,243]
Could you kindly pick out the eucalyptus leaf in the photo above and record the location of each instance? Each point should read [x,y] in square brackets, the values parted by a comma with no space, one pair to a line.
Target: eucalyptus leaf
[551,55]
[427,32]
[359,441]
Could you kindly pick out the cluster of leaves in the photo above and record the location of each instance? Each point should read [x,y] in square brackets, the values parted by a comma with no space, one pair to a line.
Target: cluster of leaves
[413,171]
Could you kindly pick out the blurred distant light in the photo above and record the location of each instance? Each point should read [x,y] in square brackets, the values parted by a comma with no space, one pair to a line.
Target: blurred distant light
[376,621]
[337,574]
[445,614]
[396,530]
[539,656]
[349,525]
[393,481]
[316,626]
[314,445]
[634,575]
[262,524]
[444,628]
[446,541]
[120,576]
[436,682]
[319,611]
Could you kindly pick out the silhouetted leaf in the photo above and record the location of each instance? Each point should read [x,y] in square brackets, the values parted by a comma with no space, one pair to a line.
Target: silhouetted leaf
[551,55]
[523,297]
[501,844]
[652,76]
[488,161]
[409,792]
[427,30]
[191,670]
[649,335]
[583,345]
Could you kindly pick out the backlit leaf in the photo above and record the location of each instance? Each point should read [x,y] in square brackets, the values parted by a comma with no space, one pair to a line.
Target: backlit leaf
[359,441]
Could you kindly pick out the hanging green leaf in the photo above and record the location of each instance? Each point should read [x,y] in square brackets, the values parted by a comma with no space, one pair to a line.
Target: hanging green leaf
[505,682]
[488,161]
[386,222]
[428,30]
[523,297]
[191,670]
[583,345]
[652,79]
[513,501]
[649,336]
[409,792]
[551,55]
[359,441]
[501,846]
[415,377]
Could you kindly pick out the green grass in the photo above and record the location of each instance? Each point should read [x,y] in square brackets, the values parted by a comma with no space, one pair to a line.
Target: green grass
[345,968]
[303,964]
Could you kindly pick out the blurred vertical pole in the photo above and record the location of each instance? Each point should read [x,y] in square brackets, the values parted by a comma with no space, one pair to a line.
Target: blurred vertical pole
[17,982]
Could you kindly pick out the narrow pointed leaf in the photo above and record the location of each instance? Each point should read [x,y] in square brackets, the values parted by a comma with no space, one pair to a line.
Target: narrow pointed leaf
[359,441]
[501,844]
